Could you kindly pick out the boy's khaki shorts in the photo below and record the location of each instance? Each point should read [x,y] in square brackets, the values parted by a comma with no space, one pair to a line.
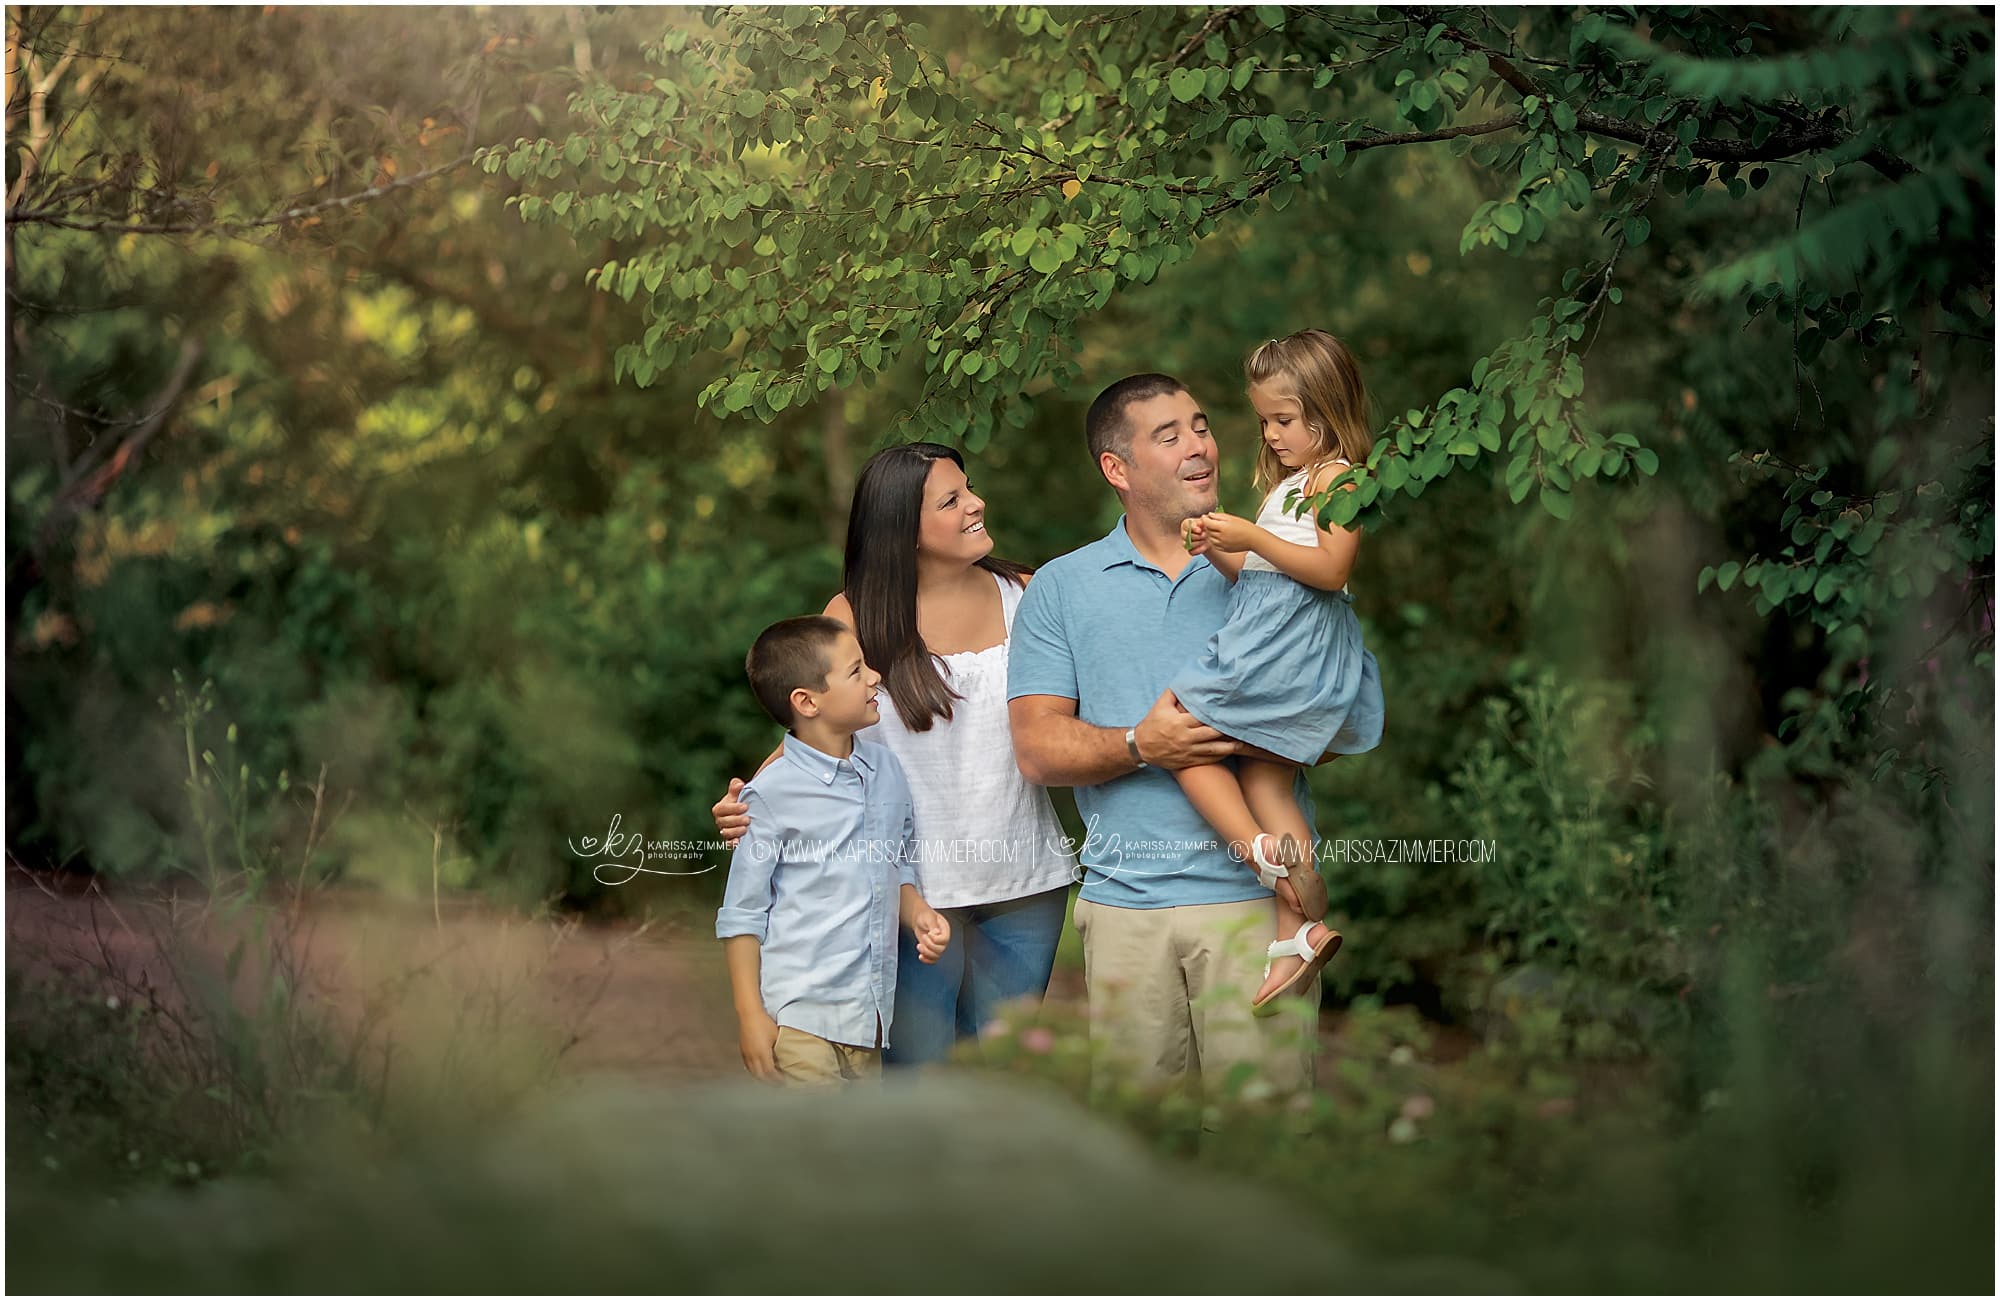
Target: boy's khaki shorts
[807,1059]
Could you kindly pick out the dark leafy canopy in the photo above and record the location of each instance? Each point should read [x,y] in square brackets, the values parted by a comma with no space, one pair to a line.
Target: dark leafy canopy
[823,193]
[828,197]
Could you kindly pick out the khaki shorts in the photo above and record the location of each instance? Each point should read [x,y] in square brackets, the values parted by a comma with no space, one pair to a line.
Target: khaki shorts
[810,1060]
[1170,992]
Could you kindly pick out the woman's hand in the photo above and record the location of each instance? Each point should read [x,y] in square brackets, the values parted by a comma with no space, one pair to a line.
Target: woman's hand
[732,815]
[1229,533]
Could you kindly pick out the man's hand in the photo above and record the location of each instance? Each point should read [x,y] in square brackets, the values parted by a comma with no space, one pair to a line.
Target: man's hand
[757,1036]
[1230,533]
[933,931]
[1194,535]
[1170,737]
[732,815]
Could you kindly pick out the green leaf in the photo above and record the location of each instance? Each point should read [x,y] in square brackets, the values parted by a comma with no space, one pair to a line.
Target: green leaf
[1725,577]
[1187,84]
[1558,504]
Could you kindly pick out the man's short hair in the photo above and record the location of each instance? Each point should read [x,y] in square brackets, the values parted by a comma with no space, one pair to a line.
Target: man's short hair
[1107,426]
[790,654]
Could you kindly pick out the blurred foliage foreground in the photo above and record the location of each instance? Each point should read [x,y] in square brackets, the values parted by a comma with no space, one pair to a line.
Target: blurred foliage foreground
[410,422]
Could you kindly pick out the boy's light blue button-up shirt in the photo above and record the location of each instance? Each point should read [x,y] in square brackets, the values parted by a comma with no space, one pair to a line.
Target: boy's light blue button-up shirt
[1107,628]
[818,879]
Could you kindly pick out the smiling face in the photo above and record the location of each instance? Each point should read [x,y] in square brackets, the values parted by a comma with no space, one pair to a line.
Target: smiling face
[1170,474]
[1281,422]
[951,520]
[848,703]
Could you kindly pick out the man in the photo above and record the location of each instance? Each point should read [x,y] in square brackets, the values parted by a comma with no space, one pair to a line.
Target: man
[1173,925]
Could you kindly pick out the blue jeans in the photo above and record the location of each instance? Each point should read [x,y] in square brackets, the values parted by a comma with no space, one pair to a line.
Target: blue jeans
[998,951]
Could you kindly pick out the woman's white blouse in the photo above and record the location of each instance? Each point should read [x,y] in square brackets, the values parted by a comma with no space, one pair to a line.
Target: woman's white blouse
[985,833]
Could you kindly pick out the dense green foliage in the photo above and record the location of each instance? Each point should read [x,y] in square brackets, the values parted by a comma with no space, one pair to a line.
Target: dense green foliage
[462,429]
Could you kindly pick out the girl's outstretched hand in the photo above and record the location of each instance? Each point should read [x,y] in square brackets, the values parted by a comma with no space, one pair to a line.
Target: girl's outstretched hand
[1226,532]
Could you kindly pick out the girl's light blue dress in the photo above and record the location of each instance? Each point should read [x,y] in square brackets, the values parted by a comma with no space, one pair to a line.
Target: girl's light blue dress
[1287,671]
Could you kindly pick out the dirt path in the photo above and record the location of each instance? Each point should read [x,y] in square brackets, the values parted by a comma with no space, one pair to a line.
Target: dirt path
[649,1000]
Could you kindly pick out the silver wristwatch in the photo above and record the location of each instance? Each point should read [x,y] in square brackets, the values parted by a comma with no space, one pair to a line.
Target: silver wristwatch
[1132,746]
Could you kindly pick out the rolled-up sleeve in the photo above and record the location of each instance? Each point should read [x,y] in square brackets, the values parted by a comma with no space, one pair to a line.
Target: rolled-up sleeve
[1039,659]
[746,899]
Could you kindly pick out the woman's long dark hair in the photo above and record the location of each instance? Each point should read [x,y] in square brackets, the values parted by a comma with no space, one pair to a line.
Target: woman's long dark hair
[881,579]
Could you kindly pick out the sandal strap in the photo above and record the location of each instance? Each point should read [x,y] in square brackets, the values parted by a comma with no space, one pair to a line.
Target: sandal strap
[1295,947]
[1268,872]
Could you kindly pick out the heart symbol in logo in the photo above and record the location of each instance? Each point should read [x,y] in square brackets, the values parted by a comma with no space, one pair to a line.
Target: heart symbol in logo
[589,843]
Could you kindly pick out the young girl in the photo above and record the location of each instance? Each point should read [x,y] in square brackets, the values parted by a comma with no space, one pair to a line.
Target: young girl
[1287,672]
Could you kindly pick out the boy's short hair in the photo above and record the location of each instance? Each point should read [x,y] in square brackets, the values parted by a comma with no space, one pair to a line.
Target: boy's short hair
[790,654]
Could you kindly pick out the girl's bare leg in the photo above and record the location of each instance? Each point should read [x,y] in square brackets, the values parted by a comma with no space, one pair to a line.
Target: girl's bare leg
[1215,794]
[1266,788]
[1221,797]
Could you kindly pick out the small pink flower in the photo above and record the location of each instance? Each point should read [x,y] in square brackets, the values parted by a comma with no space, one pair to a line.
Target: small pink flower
[1419,1106]
[1038,1039]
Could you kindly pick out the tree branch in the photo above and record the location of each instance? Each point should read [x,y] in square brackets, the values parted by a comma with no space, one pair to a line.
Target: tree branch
[63,220]
[1808,136]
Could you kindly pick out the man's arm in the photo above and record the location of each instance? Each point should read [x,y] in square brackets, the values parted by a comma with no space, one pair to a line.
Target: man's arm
[1056,748]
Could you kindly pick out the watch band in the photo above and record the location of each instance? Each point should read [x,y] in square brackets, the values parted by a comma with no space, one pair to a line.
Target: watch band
[1132,746]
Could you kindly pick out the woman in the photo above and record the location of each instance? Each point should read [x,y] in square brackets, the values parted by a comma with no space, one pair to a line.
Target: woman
[932,608]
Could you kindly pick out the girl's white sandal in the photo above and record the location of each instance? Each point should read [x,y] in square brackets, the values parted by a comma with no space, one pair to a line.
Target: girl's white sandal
[1297,947]
[1290,862]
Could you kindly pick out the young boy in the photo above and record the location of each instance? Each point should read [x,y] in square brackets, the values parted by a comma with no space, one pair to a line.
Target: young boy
[816,887]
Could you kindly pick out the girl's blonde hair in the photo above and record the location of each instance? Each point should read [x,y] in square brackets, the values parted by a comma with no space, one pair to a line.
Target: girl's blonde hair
[1321,373]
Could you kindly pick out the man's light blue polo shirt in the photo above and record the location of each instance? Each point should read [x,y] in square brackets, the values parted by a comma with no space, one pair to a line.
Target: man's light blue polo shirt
[818,880]
[1107,628]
